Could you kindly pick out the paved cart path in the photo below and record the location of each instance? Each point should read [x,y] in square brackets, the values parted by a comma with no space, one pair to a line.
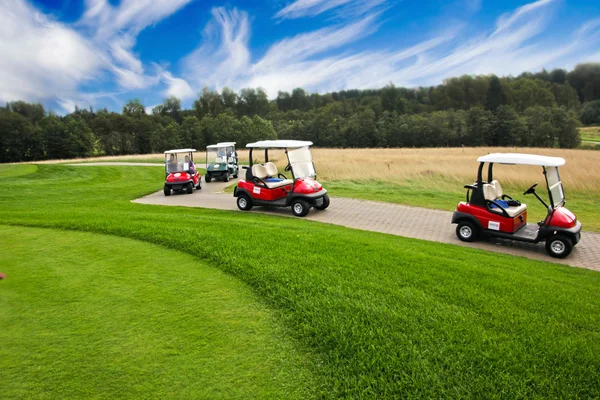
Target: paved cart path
[395,219]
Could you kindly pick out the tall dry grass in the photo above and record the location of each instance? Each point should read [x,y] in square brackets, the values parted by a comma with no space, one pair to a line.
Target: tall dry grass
[452,166]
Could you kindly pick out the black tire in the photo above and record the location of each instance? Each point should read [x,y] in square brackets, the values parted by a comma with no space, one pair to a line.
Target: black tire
[559,246]
[207,178]
[167,190]
[226,177]
[244,202]
[199,185]
[189,188]
[235,176]
[300,208]
[466,231]
[325,203]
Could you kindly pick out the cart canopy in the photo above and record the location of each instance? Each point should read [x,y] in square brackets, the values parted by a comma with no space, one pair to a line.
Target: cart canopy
[522,159]
[181,151]
[279,144]
[218,145]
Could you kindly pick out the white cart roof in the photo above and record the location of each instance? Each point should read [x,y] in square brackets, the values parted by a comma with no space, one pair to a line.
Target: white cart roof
[180,151]
[279,144]
[524,159]
[224,144]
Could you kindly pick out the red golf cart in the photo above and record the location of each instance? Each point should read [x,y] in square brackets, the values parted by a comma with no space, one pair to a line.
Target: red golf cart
[489,212]
[264,185]
[180,172]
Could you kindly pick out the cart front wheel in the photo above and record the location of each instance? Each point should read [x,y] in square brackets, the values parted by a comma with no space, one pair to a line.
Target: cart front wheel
[226,177]
[300,208]
[167,190]
[466,231]
[207,178]
[189,188]
[244,203]
[559,246]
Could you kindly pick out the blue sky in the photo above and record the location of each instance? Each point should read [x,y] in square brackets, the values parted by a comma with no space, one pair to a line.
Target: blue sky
[104,52]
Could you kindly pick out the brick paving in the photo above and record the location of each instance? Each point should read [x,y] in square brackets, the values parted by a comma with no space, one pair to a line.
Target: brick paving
[413,222]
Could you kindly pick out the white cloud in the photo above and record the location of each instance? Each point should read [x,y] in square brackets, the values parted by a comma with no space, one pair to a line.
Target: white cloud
[324,60]
[311,8]
[41,57]
[224,56]
[177,87]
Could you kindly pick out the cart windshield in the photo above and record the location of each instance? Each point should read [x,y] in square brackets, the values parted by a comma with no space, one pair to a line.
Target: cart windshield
[301,163]
[555,188]
[220,155]
[177,162]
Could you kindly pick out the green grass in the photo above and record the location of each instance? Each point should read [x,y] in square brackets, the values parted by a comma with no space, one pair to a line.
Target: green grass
[438,195]
[126,160]
[16,170]
[590,134]
[88,315]
[377,315]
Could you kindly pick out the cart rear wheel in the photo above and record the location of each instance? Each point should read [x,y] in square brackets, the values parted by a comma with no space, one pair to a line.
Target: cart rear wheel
[207,178]
[300,208]
[167,190]
[244,203]
[189,188]
[559,246]
[466,231]
[325,203]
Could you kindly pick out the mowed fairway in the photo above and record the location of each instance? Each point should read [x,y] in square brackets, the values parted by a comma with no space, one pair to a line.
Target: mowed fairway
[371,315]
[88,315]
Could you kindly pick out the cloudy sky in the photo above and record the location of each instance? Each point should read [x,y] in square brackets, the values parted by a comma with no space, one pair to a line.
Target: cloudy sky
[104,52]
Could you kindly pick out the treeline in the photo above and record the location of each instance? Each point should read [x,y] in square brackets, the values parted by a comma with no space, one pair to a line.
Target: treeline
[542,109]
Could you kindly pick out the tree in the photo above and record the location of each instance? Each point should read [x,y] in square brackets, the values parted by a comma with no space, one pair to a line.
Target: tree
[253,102]
[585,78]
[134,108]
[230,99]
[480,124]
[525,93]
[56,137]
[590,113]
[170,107]
[82,141]
[496,96]
[509,129]
[191,133]
[19,139]
[33,112]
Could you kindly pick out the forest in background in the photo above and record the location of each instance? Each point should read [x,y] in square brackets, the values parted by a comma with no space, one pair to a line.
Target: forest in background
[541,109]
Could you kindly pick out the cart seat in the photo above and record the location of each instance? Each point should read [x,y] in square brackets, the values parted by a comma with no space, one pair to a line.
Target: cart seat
[271,169]
[490,193]
[515,211]
[498,188]
[260,171]
[283,182]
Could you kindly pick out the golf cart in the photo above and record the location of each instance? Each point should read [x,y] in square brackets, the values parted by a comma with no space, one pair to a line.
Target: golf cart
[221,162]
[180,172]
[489,212]
[264,185]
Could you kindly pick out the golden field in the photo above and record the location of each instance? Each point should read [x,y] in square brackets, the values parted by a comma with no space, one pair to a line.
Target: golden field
[449,167]
[453,166]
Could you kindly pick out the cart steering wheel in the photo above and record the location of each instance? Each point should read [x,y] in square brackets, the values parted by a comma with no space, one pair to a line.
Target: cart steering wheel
[531,189]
